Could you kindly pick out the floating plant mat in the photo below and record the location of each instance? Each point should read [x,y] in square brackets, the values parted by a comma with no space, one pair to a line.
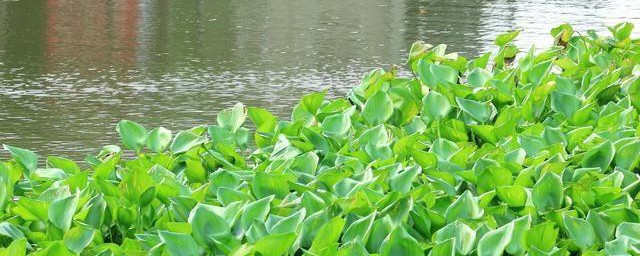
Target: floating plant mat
[510,153]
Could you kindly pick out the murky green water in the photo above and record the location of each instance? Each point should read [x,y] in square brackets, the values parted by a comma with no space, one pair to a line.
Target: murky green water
[70,70]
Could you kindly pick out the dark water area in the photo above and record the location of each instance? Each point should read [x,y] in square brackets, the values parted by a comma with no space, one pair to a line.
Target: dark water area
[70,70]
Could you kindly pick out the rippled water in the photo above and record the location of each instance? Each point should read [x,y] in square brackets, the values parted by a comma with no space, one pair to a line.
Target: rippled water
[70,70]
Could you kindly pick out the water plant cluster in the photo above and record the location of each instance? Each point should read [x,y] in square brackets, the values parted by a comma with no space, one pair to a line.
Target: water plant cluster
[510,153]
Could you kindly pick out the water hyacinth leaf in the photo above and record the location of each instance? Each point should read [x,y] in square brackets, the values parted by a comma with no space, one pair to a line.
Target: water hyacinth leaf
[133,135]
[232,118]
[599,156]
[275,244]
[327,235]
[360,229]
[603,228]
[514,196]
[542,236]
[256,210]
[580,231]
[337,125]
[518,244]
[435,106]
[628,156]
[10,230]
[445,248]
[481,112]
[67,165]
[207,224]
[548,192]
[78,238]
[289,224]
[32,209]
[629,229]
[566,104]
[478,77]
[402,181]
[56,248]
[433,74]
[494,242]
[400,242]
[378,109]
[184,141]
[464,237]
[266,184]
[159,139]
[466,206]
[61,211]
[179,244]
[539,72]
[503,39]
[418,49]
[24,157]
[17,248]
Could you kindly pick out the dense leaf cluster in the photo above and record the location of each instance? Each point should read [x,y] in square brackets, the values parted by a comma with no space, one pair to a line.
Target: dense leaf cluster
[534,155]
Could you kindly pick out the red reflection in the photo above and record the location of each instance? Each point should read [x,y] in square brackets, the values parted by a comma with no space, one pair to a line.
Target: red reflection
[98,34]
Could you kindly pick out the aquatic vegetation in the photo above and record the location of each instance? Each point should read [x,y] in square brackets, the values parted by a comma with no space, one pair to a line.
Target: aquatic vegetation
[518,153]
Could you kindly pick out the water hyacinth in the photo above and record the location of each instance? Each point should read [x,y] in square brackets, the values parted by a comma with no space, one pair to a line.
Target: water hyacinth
[510,153]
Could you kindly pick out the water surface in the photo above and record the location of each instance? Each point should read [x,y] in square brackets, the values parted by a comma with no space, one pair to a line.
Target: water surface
[70,70]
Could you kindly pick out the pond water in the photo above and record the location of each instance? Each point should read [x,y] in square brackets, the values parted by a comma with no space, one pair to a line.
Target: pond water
[70,70]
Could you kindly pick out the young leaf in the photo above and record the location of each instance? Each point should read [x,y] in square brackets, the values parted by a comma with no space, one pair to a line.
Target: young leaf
[133,135]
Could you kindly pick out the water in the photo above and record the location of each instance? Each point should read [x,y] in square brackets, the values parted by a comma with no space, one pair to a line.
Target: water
[70,70]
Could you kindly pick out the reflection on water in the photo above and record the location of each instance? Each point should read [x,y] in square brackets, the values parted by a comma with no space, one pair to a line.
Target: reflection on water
[70,70]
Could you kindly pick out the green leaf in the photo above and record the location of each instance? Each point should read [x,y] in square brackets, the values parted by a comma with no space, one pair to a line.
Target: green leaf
[445,248]
[599,156]
[9,230]
[399,243]
[159,139]
[514,196]
[478,77]
[433,74]
[494,242]
[17,248]
[26,158]
[542,236]
[481,112]
[232,118]
[566,104]
[518,244]
[266,184]
[179,244]
[289,224]
[402,181]
[629,229]
[548,192]
[327,235]
[133,135]
[360,229]
[435,106]
[275,244]
[378,109]
[184,141]
[465,207]
[464,237]
[78,238]
[207,225]
[503,39]
[256,210]
[337,125]
[61,211]
[580,231]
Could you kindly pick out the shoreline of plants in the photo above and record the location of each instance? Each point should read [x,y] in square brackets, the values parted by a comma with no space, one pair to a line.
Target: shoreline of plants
[510,153]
